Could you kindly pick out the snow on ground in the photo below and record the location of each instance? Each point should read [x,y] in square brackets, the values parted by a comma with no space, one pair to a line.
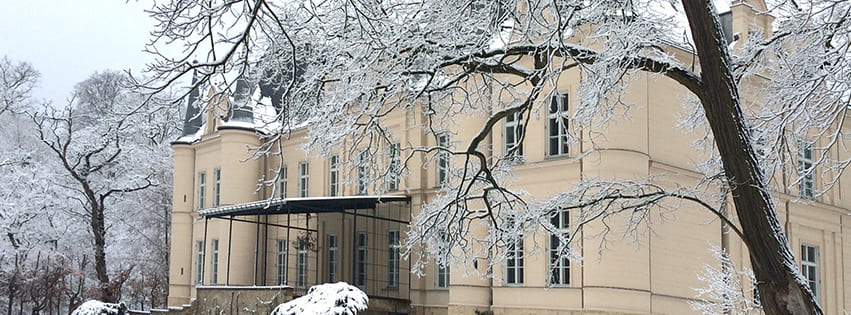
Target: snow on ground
[95,307]
[331,298]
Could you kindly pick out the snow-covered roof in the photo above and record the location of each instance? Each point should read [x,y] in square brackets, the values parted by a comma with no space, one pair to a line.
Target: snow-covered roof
[303,205]
[95,307]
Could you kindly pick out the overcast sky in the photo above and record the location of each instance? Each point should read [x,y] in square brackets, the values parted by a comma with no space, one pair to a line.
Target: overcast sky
[69,40]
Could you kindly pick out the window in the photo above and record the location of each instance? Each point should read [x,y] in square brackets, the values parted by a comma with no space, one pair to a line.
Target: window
[301,264]
[280,262]
[805,170]
[333,175]
[393,259]
[282,183]
[512,135]
[199,262]
[442,277]
[559,263]
[217,187]
[514,262]
[557,126]
[215,275]
[302,179]
[393,169]
[363,172]
[332,258]
[809,267]
[442,160]
[202,185]
[361,259]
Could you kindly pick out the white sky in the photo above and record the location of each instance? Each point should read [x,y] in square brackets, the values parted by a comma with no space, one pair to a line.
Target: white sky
[69,40]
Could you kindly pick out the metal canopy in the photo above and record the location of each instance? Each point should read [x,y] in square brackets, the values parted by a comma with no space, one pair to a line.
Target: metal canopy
[302,205]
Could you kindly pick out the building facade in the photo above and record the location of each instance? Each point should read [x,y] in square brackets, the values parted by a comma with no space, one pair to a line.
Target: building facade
[319,221]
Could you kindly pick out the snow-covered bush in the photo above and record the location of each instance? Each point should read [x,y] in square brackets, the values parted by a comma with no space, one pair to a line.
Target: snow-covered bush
[326,299]
[95,307]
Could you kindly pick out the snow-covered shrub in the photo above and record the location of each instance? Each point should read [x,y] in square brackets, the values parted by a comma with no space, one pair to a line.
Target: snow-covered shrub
[95,307]
[326,299]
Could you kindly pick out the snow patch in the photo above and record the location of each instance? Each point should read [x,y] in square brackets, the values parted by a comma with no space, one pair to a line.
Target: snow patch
[95,307]
[326,299]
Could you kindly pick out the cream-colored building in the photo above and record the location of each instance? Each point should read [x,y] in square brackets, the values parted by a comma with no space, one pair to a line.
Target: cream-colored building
[317,223]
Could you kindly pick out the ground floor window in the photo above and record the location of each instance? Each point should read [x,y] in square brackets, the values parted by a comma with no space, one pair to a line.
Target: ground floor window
[280,262]
[361,258]
[332,258]
[199,263]
[301,264]
[215,275]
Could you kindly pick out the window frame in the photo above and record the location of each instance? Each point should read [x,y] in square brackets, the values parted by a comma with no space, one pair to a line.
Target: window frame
[202,189]
[214,275]
[217,187]
[280,262]
[301,264]
[333,256]
[363,173]
[810,267]
[514,124]
[199,261]
[393,243]
[334,175]
[559,102]
[442,163]
[303,179]
[806,181]
[361,259]
[282,183]
[441,280]
[514,260]
[393,166]
[556,262]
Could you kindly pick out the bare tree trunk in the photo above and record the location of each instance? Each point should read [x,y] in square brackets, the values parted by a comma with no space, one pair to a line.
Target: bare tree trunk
[771,257]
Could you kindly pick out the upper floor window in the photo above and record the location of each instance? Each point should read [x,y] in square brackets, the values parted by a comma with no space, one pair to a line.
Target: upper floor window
[442,281]
[302,179]
[442,160]
[282,183]
[559,263]
[809,267]
[393,168]
[512,135]
[202,188]
[806,182]
[363,172]
[217,186]
[333,175]
[557,125]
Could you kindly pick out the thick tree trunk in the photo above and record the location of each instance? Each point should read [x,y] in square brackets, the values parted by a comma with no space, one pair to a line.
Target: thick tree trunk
[780,288]
[98,226]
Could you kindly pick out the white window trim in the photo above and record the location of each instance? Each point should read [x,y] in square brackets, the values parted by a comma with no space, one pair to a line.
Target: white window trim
[814,263]
[365,249]
[217,187]
[393,166]
[363,173]
[303,179]
[202,189]
[282,183]
[560,115]
[517,135]
[301,264]
[805,171]
[550,251]
[214,276]
[442,176]
[393,259]
[334,176]
[441,272]
[199,263]
[518,268]
[280,264]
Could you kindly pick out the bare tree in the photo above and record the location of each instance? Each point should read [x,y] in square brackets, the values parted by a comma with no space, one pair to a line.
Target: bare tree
[349,64]
[17,81]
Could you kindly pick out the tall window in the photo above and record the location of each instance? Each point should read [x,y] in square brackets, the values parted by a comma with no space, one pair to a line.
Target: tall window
[393,169]
[512,135]
[280,262]
[442,277]
[363,172]
[333,175]
[557,125]
[332,258]
[199,262]
[202,187]
[361,259]
[282,183]
[559,264]
[301,264]
[514,262]
[217,186]
[215,275]
[809,267]
[805,171]
[302,179]
[393,259]
[442,160]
